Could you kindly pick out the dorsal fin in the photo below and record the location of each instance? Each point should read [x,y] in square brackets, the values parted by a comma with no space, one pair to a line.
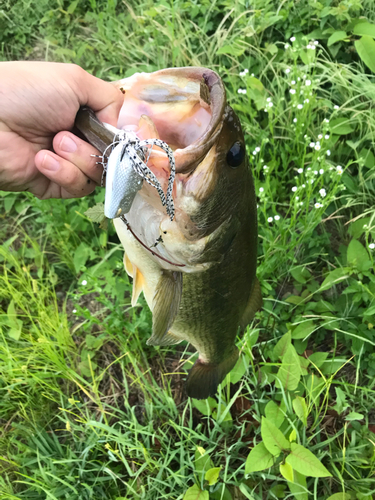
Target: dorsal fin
[166,303]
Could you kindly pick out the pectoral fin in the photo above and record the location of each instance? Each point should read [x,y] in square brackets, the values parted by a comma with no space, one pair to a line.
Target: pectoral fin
[165,306]
[138,282]
[254,304]
[128,265]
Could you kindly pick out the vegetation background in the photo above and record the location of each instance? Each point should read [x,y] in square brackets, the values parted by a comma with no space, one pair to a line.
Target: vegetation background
[87,409]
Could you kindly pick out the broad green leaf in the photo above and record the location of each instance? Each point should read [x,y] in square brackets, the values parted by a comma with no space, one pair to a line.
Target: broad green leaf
[298,487]
[357,255]
[195,493]
[289,373]
[205,406]
[303,363]
[340,126]
[334,277]
[369,160]
[282,345]
[234,49]
[341,404]
[273,439]
[367,29]
[220,494]
[337,36]
[304,462]
[255,84]
[370,311]
[286,470]
[294,299]
[354,416]
[72,7]
[340,496]
[96,213]
[303,330]
[239,370]
[292,436]
[80,256]
[212,475]
[274,413]
[300,274]
[366,50]
[331,366]
[15,324]
[258,459]
[203,462]
[318,358]
[300,407]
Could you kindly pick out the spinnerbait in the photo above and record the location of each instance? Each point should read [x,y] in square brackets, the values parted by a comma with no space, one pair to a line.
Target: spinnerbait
[125,167]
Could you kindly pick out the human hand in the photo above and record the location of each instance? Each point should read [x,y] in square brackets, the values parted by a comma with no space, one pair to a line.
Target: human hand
[38,105]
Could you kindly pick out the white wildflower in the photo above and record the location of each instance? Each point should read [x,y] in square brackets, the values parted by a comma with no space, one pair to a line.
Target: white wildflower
[270,219]
[241,91]
[293,82]
[300,170]
[371,245]
[277,217]
[317,147]
[322,192]
[286,46]
[315,172]
[300,106]
[318,205]
[316,42]
[270,104]
[257,149]
[321,171]
[320,136]
[308,46]
[312,144]
[294,189]
[297,198]
[306,101]
[335,106]
[328,153]
[326,136]
[326,120]
[292,91]
[303,185]
[294,120]
[292,38]
[287,70]
[339,169]
[74,311]
[84,283]
[308,83]
[261,190]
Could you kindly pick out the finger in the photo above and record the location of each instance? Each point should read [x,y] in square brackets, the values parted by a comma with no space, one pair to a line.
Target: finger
[104,98]
[63,173]
[78,152]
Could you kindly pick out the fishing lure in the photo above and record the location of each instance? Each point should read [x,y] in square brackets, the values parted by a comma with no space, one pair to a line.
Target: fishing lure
[126,167]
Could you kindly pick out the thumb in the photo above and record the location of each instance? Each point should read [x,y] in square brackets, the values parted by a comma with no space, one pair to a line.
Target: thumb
[103,97]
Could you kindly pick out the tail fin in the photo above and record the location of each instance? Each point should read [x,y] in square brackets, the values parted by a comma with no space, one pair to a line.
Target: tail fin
[204,378]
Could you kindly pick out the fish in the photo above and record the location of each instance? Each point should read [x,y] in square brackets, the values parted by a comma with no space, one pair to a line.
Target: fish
[197,271]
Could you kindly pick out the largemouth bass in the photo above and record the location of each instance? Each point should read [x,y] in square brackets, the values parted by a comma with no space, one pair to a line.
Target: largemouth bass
[197,271]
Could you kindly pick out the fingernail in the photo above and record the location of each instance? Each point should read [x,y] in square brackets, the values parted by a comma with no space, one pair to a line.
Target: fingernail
[50,163]
[67,144]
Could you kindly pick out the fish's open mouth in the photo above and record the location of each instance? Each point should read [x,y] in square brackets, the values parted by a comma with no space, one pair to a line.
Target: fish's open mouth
[183,106]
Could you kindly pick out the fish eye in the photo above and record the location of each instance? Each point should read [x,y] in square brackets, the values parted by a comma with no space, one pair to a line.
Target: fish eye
[236,155]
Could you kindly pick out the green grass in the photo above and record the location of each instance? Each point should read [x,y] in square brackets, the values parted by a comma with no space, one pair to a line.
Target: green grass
[87,409]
